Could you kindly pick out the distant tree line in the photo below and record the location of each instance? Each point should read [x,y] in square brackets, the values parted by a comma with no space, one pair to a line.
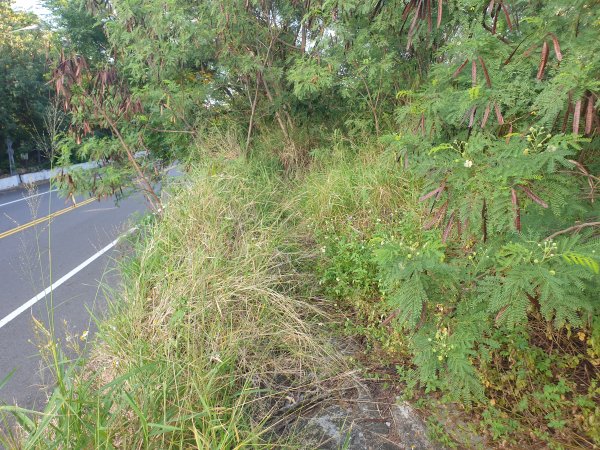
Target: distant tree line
[24,92]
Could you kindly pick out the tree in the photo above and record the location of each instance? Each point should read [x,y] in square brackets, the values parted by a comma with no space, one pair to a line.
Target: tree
[79,28]
[503,132]
[23,90]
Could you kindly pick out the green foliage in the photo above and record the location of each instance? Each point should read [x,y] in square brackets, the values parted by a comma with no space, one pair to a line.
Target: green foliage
[458,295]
[23,90]
[348,271]
[80,29]
[309,79]
[582,260]
[499,167]
[473,231]
[460,307]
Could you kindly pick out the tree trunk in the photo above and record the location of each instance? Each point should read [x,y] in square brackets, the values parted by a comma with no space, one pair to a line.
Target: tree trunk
[252,112]
[277,114]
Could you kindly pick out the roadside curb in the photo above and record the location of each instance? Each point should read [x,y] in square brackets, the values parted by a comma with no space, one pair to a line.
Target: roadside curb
[43,175]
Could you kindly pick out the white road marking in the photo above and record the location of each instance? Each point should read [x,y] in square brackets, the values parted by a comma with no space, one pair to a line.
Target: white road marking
[99,209]
[13,315]
[26,198]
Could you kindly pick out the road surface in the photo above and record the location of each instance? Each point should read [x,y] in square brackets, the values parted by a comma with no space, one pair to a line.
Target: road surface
[73,252]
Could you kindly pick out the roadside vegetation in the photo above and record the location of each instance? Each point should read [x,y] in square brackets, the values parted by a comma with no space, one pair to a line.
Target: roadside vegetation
[24,93]
[214,330]
[419,178]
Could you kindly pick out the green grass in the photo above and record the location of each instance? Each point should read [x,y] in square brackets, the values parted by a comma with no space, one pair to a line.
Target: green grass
[212,328]
[217,323]
[358,190]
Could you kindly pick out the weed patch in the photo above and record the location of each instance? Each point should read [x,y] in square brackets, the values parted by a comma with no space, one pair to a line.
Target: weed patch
[212,336]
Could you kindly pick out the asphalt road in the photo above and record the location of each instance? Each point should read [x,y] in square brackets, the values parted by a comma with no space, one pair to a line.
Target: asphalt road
[34,256]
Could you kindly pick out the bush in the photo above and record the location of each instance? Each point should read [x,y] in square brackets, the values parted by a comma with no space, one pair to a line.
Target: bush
[478,312]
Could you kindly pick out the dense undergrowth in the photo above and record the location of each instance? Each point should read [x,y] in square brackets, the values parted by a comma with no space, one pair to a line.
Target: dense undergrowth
[506,327]
[428,172]
[211,335]
[220,318]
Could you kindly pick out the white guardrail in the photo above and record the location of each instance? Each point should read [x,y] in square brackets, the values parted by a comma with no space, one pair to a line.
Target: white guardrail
[35,177]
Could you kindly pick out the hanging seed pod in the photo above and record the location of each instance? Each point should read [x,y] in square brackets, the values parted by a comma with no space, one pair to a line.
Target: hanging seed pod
[499,116]
[543,61]
[589,114]
[533,196]
[460,68]
[472,116]
[435,192]
[486,114]
[448,228]
[576,117]
[438,217]
[517,210]
[485,72]
[557,51]
[507,15]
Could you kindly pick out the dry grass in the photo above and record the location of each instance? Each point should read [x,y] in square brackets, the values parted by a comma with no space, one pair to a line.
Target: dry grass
[213,336]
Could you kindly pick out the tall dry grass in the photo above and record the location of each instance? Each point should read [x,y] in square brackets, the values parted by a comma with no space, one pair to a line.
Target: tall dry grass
[213,336]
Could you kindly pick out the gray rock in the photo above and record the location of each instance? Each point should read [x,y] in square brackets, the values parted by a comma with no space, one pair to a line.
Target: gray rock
[411,431]
[331,428]
[363,424]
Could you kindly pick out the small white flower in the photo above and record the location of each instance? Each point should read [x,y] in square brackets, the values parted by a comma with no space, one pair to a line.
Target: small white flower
[468,163]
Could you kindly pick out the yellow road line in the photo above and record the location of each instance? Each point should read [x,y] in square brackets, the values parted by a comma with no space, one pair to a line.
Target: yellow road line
[43,219]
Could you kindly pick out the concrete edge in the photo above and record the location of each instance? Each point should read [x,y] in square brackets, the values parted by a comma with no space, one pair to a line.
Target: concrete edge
[43,175]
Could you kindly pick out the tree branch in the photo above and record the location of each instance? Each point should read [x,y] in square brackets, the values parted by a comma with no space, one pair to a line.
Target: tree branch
[573,228]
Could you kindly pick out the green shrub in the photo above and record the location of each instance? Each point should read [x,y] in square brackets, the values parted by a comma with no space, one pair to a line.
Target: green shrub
[465,275]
